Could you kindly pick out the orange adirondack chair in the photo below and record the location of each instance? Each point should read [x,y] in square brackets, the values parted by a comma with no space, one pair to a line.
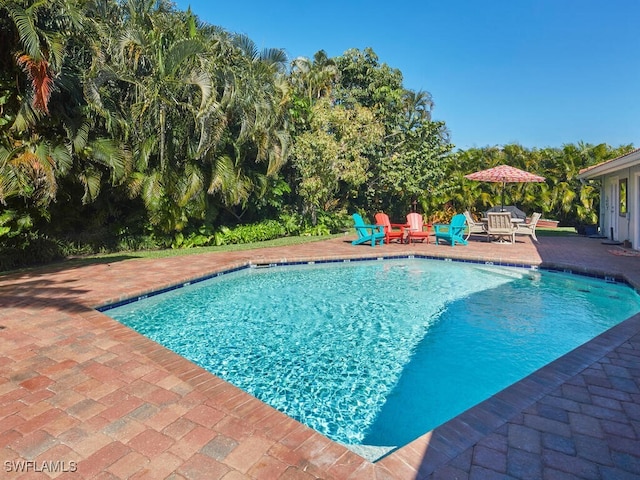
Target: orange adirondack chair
[391,231]
[416,227]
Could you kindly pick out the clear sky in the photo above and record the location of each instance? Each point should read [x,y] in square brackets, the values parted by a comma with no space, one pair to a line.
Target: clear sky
[541,73]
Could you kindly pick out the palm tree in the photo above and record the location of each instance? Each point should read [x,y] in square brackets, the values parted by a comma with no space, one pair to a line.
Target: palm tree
[314,78]
[170,95]
[254,107]
[416,109]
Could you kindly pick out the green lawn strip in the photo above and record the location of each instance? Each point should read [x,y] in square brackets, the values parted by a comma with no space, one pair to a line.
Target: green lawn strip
[556,232]
[278,242]
[131,255]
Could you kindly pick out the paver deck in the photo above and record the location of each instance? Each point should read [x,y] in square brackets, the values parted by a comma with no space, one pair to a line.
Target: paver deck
[84,397]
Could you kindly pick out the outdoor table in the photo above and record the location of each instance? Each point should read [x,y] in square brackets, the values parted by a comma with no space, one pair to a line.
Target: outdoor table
[513,220]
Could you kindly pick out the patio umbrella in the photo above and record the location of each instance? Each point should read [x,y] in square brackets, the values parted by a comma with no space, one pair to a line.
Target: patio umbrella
[504,174]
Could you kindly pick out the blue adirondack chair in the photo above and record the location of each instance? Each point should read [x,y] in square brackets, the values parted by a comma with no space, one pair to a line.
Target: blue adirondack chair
[453,232]
[367,233]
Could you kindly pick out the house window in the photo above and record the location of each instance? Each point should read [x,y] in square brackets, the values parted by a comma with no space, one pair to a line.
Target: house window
[622,185]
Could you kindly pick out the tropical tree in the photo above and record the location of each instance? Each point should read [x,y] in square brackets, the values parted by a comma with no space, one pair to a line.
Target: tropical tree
[33,39]
[561,197]
[364,81]
[130,117]
[47,133]
[332,158]
[409,162]
[35,34]
[414,172]
[571,201]
[314,78]
[167,89]
[255,145]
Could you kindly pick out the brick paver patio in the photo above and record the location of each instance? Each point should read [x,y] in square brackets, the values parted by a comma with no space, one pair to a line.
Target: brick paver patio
[83,397]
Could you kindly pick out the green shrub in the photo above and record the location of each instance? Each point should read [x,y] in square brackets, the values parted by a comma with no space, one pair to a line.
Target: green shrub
[29,250]
[258,232]
[293,223]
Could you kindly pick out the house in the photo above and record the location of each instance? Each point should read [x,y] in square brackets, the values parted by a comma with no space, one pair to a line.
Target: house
[619,196]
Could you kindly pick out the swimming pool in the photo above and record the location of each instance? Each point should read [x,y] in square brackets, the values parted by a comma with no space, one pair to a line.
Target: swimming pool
[377,353]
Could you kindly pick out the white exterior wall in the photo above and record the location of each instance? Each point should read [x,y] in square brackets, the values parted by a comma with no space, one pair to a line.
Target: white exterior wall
[614,223]
[624,226]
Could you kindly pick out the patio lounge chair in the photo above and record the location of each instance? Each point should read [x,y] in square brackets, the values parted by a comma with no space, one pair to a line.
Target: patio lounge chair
[367,233]
[529,228]
[499,226]
[415,229]
[391,230]
[452,232]
[473,227]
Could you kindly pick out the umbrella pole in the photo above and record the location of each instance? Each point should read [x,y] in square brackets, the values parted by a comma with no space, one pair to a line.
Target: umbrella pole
[502,207]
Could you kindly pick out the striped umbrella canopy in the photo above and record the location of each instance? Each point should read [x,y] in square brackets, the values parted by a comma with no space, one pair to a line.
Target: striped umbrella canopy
[504,174]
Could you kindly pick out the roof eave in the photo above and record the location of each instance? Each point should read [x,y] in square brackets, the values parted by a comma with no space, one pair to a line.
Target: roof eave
[611,166]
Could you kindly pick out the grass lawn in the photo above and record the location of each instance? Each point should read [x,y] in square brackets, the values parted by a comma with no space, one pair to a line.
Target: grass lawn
[129,255]
[556,232]
[172,252]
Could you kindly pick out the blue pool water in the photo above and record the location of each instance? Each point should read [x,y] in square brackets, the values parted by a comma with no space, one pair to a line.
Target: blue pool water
[380,352]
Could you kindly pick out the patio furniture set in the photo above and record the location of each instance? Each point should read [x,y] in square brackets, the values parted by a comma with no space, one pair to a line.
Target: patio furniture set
[500,226]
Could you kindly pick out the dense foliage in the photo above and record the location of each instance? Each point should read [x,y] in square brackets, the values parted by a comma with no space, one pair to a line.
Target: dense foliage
[131,124]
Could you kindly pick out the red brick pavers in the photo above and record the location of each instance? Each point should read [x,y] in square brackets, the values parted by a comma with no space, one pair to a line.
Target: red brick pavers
[82,396]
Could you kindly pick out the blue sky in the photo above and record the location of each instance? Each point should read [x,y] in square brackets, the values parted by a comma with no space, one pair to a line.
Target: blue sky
[541,73]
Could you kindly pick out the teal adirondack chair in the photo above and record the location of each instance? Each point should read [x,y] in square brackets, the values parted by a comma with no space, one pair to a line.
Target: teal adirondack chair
[453,232]
[367,233]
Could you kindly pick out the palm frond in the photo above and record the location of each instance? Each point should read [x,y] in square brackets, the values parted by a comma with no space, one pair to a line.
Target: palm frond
[142,156]
[135,183]
[81,136]
[152,190]
[90,178]
[41,80]
[246,46]
[275,57]
[108,152]
[179,52]
[203,81]
[277,154]
[212,125]
[10,185]
[55,48]
[231,184]
[222,172]
[131,45]
[25,118]
[27,32]
[61,156]
[190,185]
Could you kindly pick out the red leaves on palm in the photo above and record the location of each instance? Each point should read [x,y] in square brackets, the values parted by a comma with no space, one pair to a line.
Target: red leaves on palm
[41,80]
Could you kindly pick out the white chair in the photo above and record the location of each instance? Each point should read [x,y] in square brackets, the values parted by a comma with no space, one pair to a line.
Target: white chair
[529,228]
[499,226]
[473,226]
